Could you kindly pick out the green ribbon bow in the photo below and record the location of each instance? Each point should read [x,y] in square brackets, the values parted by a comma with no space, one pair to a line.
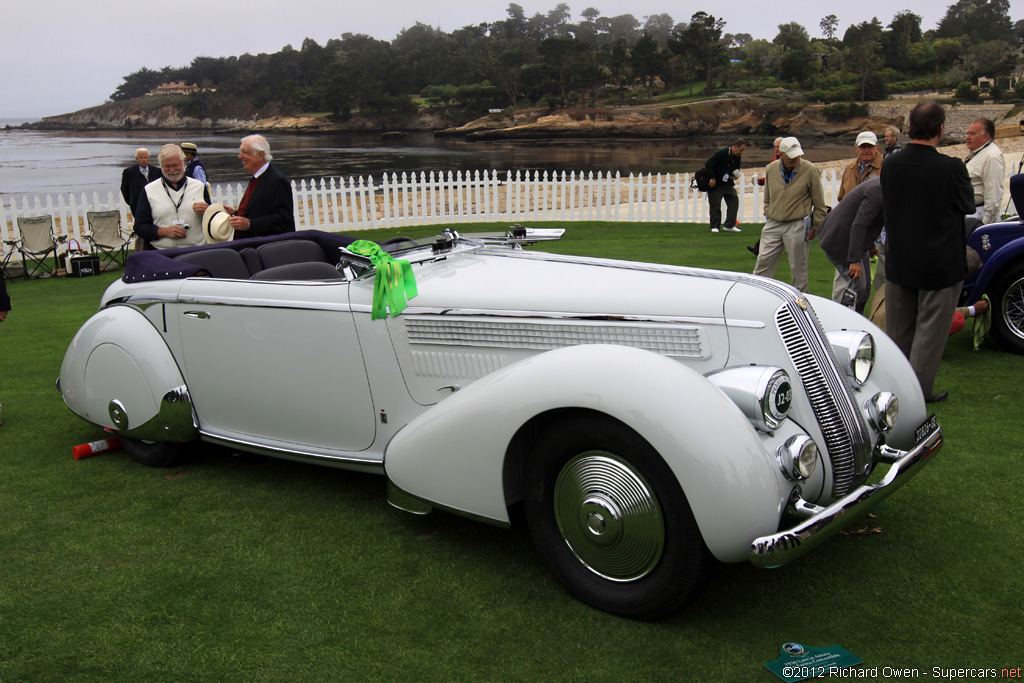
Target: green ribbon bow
[394,283]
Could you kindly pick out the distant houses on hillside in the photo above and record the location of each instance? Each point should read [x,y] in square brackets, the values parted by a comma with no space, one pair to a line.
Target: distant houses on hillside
[174,88]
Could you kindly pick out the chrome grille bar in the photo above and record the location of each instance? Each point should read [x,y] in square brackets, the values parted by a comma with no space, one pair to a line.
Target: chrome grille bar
[844,431]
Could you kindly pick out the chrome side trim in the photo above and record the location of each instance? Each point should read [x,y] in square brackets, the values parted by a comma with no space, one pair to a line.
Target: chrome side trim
[142,301]
[323,459]
[145,300]
[571,316]
[263,303]
[783,547]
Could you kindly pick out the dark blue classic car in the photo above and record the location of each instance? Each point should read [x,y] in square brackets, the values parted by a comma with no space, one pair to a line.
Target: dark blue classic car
[1001,276]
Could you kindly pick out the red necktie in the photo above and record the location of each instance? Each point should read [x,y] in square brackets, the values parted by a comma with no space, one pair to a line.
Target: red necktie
[247,196]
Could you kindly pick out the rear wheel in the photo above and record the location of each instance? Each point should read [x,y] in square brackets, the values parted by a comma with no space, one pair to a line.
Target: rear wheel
[611,521]
[155,453]
[1008,308]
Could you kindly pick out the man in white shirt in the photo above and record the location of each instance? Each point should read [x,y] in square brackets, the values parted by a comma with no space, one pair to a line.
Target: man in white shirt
[987,169]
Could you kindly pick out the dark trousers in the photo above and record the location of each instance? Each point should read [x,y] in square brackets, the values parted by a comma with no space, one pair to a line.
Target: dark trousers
[732,204]
[918,320]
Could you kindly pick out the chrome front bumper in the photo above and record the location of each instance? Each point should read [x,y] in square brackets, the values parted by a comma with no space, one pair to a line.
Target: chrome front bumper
[783,547]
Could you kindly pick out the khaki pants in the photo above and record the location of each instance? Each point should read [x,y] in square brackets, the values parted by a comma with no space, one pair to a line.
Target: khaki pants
[789,237]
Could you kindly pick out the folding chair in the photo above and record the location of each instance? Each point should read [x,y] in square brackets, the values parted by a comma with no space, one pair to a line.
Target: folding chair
[37,242]
[8,253]
[106,236]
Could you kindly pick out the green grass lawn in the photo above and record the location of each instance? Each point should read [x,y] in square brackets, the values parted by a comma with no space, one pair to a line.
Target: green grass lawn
[228,570]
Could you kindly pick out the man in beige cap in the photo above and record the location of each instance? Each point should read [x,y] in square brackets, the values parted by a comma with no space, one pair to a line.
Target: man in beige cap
[868,163]
[792,192]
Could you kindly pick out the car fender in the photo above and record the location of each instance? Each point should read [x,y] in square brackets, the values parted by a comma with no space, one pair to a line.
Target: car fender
[452,455]
[1008,252]
[892,371]
[118,373]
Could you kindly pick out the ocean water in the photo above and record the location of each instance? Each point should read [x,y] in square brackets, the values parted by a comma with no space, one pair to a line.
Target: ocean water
[53,163]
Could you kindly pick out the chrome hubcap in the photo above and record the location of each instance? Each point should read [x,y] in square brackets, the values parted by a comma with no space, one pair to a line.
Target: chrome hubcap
[1013,308]
[609,516]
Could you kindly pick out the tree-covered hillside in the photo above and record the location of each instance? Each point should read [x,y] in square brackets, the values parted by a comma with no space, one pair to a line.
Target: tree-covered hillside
[549,59]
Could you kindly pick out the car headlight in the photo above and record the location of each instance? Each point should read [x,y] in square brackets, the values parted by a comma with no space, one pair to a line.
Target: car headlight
[883,409]
[763,392]
[798,457]
[856,353]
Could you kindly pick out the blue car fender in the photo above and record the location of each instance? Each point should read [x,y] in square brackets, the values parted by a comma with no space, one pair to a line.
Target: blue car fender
[1011,251]
[452,455]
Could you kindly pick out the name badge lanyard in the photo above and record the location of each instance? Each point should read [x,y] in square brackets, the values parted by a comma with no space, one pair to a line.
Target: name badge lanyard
[181,199]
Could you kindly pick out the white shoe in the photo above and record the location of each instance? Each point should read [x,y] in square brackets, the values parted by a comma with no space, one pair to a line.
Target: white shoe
[714,229]
[733,229]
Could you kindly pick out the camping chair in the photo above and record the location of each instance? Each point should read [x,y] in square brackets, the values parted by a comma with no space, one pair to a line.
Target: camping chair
[105,235]
[8,253]
[37,242]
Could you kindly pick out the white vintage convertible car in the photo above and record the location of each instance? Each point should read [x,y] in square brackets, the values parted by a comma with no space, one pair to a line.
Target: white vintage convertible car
[649,418]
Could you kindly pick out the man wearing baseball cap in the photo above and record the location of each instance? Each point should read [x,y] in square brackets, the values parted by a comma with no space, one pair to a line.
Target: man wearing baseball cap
[868,163]
[792,192]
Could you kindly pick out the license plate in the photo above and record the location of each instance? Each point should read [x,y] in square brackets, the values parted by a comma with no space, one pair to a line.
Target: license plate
[926,428]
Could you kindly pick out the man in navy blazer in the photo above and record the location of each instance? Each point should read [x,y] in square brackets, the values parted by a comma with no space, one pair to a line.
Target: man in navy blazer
[267,205]
[135,178]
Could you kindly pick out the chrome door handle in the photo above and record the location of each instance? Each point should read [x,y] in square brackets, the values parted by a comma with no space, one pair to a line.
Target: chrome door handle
[201,315]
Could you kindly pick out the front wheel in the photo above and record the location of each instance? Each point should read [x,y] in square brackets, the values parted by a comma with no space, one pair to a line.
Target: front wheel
[1008,309]
[611,521]
[155,453]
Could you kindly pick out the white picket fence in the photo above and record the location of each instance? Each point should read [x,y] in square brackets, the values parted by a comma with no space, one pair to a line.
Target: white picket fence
[352,204]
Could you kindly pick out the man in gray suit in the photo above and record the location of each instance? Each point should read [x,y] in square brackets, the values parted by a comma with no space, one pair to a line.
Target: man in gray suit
[847,235]
[925,196]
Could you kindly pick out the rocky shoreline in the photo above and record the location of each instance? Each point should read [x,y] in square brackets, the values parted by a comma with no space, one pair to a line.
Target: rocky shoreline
[720,117]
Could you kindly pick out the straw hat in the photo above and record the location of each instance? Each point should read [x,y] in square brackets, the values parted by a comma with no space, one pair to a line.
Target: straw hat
[216,225]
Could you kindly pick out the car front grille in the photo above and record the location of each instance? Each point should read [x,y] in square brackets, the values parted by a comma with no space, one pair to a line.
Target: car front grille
[843,429]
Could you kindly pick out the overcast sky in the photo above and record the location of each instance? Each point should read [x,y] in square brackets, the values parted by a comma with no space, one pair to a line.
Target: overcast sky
[60,56]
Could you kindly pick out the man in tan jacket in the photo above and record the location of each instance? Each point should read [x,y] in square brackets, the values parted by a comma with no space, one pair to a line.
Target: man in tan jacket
[868,163]
[792,192]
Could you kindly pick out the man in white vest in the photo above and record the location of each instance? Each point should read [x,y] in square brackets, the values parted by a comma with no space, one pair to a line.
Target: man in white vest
[165,216]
